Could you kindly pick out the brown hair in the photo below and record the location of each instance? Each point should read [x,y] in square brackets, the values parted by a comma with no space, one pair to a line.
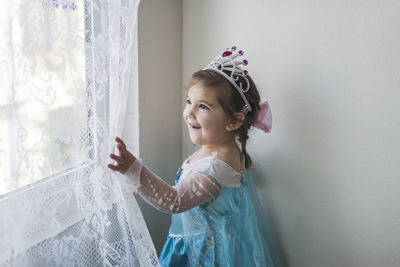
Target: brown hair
[232,102]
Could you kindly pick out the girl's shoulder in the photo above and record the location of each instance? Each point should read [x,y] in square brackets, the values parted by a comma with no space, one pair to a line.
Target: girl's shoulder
[216,166]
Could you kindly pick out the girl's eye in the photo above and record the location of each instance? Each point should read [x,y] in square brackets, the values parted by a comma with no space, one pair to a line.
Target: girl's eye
[188,101]
[202,106]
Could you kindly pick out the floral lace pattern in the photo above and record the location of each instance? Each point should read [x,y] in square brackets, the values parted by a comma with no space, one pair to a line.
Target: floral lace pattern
[80,215]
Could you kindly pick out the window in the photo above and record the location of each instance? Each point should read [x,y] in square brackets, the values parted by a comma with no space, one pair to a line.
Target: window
[44,100]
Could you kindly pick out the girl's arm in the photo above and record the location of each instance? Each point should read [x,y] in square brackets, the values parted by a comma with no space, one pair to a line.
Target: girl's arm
[195,189]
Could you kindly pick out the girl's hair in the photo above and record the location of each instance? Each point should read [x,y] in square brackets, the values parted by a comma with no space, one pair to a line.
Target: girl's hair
[231,101]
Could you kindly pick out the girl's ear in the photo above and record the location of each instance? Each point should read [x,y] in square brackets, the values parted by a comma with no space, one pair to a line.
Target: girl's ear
[237,121]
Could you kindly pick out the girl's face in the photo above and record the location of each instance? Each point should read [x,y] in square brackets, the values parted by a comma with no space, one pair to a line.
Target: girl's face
[206,120]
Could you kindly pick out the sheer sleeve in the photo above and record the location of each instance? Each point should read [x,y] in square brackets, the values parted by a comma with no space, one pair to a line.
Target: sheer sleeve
[197,188]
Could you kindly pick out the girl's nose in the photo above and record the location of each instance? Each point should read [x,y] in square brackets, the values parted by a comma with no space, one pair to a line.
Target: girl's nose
[191,113]
[188,112]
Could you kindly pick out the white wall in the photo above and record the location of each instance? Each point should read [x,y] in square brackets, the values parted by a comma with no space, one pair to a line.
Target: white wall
[160,86]
[328,174]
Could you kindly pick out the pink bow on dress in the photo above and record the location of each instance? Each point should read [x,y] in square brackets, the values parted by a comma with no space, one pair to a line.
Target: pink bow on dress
[264,120]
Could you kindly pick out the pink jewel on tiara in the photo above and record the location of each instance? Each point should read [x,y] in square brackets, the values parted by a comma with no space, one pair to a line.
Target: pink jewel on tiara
[226,53]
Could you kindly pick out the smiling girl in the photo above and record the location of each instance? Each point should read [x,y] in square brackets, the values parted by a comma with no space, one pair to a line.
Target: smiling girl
[217,217]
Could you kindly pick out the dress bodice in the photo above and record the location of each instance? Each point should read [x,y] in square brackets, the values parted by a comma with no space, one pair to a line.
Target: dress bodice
[225,174]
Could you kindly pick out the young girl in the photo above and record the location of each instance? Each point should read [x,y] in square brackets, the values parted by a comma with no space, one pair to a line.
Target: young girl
[217,218]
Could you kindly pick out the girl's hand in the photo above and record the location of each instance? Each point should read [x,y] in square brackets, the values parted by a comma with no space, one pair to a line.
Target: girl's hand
[124,159]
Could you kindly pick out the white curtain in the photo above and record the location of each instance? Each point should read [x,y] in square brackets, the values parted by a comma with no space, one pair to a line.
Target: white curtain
[65,71]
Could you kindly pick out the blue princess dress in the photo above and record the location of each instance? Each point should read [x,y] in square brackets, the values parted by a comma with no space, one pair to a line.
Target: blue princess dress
[230,230]
[217,217]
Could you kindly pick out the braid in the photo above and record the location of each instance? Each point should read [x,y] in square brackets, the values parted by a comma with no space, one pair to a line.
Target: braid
[243,136]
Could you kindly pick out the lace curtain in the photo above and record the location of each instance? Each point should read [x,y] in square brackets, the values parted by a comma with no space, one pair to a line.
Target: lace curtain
[65,70]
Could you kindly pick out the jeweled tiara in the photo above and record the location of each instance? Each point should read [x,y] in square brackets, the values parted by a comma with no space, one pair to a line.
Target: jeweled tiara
[227,62]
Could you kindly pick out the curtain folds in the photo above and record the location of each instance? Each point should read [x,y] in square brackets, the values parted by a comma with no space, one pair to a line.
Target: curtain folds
[65,71]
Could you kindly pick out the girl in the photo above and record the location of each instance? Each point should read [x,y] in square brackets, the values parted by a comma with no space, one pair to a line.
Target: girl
[217,218]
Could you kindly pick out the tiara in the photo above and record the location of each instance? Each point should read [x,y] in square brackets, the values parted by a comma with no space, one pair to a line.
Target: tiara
[227,62]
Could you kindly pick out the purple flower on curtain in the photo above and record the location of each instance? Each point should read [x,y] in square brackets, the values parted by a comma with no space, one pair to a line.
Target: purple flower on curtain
[73,6]
[65,4]
[55,3]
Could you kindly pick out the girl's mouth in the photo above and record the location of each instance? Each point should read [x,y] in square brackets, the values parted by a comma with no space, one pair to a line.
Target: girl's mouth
[194,126]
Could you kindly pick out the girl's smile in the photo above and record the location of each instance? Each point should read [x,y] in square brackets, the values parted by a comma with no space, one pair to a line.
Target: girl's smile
[193,126]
